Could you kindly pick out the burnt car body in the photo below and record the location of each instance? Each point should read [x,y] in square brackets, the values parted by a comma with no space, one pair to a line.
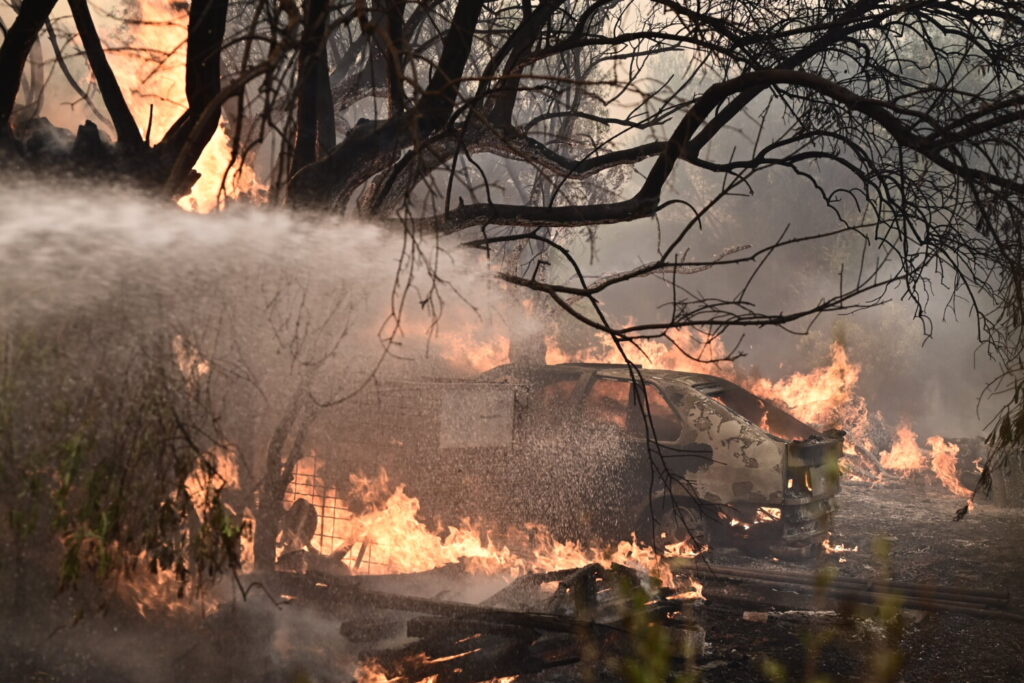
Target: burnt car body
[568,446]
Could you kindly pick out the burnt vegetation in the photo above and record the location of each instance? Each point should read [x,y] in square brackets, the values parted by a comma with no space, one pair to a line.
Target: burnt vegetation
[521,129]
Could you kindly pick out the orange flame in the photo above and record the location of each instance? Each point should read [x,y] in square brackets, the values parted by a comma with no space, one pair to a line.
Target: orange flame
[905,455]
[162,592]
[387,537]
[371,671]
[152,76]
[825,397]
[680,353]
[944,464]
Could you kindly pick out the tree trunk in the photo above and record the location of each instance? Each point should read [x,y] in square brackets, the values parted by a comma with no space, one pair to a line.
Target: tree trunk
[14,51]
[128,135]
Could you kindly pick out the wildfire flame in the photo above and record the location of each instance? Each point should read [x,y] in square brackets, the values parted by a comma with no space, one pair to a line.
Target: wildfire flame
[680,353]
[152,76]
[825,397]
[944,464]
[388,537]
[905,455]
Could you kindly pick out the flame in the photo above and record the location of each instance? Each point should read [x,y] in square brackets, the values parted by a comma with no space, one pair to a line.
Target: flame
[151,73]
[826,544]
[388,537]
[681,353]
[905,456]
[944,464]
[162,591]
[825,397]
[370,671]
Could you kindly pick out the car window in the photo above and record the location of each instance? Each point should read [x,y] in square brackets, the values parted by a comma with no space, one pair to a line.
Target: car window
[608,402]
[666,424]
[557,392]
[549,399]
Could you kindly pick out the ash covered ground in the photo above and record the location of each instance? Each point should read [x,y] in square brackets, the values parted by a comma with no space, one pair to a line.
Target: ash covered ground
[252,640]
[982,551]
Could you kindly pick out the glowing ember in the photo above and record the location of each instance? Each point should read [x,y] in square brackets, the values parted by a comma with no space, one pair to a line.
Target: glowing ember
[838,548]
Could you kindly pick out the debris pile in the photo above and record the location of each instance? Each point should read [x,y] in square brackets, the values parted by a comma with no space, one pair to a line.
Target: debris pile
[540,621]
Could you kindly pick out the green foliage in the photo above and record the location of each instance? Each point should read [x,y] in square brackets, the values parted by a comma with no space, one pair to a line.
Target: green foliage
[99,436]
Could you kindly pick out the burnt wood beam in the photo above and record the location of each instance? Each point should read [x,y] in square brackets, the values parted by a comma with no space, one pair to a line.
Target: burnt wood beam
[128,135]
[14,51]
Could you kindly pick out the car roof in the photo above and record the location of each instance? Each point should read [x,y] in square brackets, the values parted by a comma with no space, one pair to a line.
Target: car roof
[670,381]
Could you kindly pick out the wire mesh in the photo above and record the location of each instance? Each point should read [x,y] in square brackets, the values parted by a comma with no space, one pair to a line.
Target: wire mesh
[363,556]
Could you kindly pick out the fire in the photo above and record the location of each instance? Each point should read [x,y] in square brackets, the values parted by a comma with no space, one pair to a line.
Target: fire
[463,348]
[905,456]
[944,464]
[370,671]
[817,397]
[160,593]
[838,548]
[388,537]
[151,74]
[825,397]
[683,354]
[476,347]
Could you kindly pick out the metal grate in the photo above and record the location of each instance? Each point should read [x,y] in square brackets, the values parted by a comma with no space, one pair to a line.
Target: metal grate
[333,517]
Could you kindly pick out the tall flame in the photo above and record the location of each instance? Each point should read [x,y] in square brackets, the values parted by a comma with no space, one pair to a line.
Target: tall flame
[944,464]
[151,73]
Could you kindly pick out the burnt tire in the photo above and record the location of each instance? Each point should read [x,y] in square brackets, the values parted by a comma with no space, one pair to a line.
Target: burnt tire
[663,522]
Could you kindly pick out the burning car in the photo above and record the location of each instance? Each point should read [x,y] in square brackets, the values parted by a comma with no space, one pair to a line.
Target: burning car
[568,446]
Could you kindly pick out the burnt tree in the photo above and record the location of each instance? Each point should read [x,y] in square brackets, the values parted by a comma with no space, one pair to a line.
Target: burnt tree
[526,127]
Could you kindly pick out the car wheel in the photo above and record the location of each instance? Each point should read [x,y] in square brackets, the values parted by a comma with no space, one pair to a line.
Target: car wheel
[664,522]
